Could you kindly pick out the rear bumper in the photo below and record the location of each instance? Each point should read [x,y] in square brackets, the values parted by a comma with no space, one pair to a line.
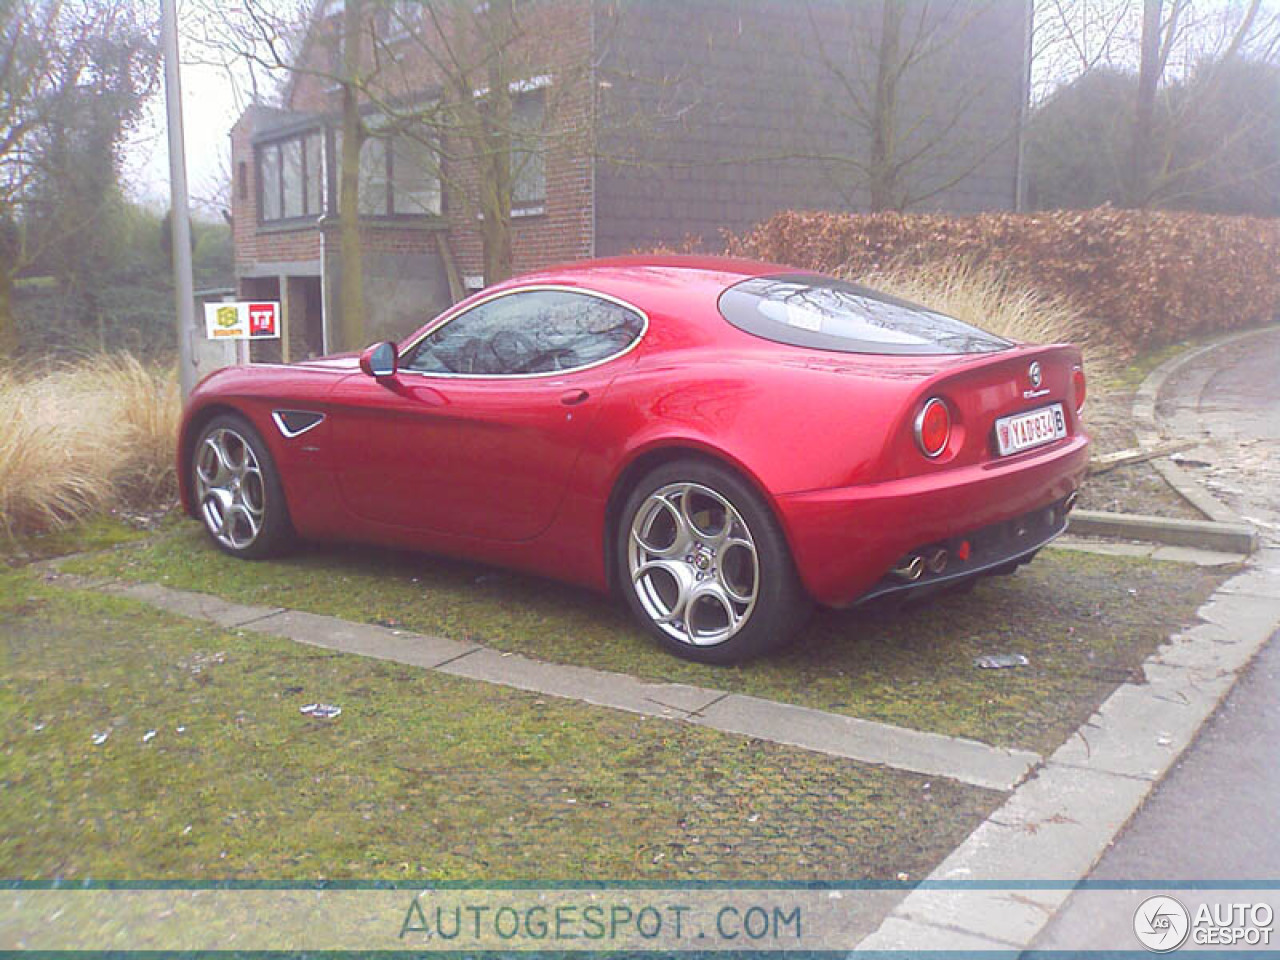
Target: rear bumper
[846,540]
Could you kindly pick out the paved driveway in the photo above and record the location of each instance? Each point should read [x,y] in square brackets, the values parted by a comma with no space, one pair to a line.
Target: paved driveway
[1230,398]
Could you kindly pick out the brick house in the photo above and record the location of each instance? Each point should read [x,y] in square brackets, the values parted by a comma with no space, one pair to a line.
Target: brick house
[672,120]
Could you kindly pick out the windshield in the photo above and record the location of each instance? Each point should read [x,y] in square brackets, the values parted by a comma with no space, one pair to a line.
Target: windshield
[829,314]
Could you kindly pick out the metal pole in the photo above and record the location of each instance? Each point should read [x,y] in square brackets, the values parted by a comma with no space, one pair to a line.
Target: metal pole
[179,211]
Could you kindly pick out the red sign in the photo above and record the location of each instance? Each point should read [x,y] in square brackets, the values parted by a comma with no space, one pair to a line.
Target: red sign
[262,320]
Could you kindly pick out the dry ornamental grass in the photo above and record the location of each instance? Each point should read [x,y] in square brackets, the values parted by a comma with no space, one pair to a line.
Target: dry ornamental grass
[80,437]
[992,301]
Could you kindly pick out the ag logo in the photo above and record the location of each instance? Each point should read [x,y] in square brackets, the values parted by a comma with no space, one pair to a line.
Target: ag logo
[1161,924]
[1034,374]
[228,316]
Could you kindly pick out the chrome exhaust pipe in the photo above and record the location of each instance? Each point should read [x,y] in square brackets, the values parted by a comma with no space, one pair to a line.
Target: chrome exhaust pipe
[912,568]
[936,561]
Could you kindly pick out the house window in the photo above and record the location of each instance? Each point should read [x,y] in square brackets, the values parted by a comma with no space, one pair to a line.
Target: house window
[399,176]
[291,180]
[528,156]
[373,178]
[290,175]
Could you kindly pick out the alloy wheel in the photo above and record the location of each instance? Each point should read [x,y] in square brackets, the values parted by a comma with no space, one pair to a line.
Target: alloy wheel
[693,564]
[230,489]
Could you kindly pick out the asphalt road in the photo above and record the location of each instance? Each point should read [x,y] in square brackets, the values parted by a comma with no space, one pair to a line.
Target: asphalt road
[1214,816]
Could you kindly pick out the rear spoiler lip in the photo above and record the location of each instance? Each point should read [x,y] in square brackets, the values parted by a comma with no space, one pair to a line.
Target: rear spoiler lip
[985,361]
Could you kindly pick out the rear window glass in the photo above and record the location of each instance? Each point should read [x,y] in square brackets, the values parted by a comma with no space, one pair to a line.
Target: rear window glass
[828,314]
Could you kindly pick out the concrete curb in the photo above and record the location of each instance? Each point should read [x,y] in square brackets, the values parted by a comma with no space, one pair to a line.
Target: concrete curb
[867,741]
[1147,428]
[1235,537]
[1150,551]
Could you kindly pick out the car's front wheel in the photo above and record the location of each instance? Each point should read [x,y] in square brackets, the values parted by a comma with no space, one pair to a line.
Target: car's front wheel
[237,489]
[704,565]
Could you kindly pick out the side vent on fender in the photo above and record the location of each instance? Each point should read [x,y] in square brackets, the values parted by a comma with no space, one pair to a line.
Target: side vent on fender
[293,423]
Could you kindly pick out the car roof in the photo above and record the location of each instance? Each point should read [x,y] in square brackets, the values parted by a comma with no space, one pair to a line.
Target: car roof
[680,292]
[696,275]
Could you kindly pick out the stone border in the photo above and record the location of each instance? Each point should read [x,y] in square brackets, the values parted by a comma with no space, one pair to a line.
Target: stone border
[1236,537]
[900,748]
[1150,551]
[1147,428]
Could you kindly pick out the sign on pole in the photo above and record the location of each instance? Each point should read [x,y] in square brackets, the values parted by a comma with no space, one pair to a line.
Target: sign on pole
[242,320]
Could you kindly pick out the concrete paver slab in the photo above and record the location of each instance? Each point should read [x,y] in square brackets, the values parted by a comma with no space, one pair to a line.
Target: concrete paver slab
[616,690]
[1200,558]
[1256,583]
[1248,617]
[1140,730]
[1011,917]
[897,934]
[966,760]
[198,606]
[1055,825]
[366,640]
[1105,548]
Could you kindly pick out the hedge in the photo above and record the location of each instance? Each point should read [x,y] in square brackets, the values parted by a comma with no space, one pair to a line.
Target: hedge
[1149,278]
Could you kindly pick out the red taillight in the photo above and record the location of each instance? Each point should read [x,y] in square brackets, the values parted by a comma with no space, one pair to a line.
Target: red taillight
[1077,381]
[933,427]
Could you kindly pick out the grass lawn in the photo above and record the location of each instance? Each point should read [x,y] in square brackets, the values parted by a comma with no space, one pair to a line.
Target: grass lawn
[1085,622]
[423,776]
[97,533]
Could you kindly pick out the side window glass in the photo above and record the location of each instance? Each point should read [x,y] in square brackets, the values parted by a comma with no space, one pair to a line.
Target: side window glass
[536,331]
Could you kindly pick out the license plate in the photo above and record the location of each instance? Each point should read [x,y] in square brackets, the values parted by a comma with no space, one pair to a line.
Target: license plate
[1034,429]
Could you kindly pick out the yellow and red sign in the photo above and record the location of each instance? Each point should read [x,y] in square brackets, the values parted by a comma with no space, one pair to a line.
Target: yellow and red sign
[242,320]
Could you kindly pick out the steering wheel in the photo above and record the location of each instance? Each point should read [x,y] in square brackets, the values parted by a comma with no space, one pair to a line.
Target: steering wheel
[561,358]
[513,351]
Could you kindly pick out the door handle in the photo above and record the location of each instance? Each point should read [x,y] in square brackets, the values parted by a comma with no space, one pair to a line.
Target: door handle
[572,397]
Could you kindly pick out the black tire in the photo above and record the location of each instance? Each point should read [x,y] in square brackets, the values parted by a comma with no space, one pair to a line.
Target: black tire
[780,605]
[274,531]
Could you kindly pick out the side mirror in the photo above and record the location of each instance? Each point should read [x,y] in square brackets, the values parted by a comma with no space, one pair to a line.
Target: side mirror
[380,360]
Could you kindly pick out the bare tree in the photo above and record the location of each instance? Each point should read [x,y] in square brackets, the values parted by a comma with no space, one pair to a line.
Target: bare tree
[73,78]
[911,81]
[1177,52]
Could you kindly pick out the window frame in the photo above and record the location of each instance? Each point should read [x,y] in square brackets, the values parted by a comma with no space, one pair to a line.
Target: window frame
[388,211]
[466,307]
[530,91]
[273,148]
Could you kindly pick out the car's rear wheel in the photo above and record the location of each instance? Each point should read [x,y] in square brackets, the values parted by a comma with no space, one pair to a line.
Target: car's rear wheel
[705,567]
[237,489]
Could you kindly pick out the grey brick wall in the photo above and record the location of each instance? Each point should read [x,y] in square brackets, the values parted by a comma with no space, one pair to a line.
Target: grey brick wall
[715,114]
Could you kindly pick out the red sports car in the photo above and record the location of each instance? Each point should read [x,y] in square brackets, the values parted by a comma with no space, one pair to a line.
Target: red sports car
[722,442]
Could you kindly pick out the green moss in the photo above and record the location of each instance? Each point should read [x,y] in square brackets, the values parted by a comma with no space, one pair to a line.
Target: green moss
[422,776]
[1085,623]
[95,533]
[1140,367]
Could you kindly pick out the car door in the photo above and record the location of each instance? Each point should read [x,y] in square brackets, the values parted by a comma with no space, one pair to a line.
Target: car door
[478,432]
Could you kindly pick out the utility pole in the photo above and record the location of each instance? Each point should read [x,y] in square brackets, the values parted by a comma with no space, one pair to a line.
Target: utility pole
[179,211]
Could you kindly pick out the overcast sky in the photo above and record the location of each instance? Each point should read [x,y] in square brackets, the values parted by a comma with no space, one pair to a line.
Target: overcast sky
[210,107]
